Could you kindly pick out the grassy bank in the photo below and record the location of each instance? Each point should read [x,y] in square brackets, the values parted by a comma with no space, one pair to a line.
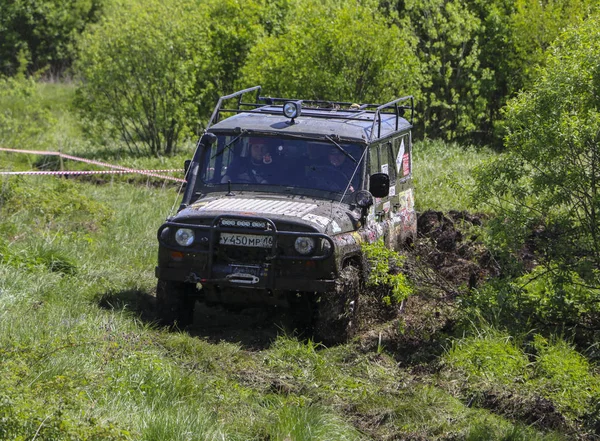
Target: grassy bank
[81,358]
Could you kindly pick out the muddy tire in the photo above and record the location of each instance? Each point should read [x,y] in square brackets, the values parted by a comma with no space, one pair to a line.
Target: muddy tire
[335,313]
[175,303]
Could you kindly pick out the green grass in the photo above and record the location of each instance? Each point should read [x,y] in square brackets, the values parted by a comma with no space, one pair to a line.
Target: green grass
[79,361]
[443,174]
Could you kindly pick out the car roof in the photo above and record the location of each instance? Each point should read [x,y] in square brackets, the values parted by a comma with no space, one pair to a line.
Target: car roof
[355,125]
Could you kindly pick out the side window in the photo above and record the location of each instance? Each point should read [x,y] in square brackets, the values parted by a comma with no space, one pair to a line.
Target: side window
[401,154]
[390,159]
[374,159]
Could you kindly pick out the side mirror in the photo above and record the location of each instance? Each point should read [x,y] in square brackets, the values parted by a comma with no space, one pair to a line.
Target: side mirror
[379,185]
[186,166]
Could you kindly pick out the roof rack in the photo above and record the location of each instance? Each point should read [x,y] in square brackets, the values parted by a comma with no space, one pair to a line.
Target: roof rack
[352,111]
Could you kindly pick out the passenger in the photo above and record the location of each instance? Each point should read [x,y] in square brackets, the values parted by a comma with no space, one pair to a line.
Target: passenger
[342,166]
[255,169]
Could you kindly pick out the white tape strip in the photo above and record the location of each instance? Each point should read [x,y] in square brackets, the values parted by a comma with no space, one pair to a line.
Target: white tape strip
[152,173]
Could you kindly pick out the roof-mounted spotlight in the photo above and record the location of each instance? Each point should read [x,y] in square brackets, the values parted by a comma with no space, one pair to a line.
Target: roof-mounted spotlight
[292,109]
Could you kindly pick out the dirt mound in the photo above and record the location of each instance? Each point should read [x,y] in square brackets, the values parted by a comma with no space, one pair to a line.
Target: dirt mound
[449,244]
[446,261]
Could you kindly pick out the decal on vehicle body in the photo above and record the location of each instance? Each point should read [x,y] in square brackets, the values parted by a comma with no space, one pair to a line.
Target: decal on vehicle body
[321,221]
[400,156]
[335,227]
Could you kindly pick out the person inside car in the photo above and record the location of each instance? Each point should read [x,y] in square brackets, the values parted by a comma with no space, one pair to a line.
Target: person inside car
[256,168]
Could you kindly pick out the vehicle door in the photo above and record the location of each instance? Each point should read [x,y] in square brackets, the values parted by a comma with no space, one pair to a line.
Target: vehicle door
[403,215]
[378,219]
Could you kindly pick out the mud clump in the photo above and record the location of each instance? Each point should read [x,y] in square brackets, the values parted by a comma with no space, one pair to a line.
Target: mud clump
[448,243]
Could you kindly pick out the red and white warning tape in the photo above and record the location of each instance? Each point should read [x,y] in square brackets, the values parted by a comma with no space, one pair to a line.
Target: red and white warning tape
[117,168]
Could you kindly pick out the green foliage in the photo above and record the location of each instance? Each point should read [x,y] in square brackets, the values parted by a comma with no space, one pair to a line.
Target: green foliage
[340,51]
[23,118]
[443,174]
[384,270]
[144,72]
[234,27]
[545,189]
[448,33]
[43,31]
[58,205]
[545,299]
[489,356]
[565,376]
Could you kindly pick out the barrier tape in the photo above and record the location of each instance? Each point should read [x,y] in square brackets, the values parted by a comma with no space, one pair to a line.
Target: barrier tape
[80,172]
[88,161]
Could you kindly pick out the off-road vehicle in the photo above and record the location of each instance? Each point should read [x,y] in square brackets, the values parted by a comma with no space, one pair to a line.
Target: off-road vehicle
[279,198]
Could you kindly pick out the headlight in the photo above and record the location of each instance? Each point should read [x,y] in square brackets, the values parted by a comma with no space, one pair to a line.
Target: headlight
[184,237]
[305,245]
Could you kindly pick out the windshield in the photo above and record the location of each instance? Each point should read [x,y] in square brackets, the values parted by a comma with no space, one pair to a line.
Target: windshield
[320,165]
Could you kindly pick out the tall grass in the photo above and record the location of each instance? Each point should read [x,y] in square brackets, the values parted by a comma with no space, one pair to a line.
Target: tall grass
[443,174]
[76,362]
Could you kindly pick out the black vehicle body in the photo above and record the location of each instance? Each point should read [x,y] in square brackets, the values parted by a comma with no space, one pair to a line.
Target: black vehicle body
[247,239]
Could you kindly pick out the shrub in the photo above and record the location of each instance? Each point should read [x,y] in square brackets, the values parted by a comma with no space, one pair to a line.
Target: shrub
[23,119]
[335,51]
[544,189]
[384,270]
[144,71]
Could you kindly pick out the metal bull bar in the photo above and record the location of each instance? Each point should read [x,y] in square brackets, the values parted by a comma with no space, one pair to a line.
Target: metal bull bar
[210,235]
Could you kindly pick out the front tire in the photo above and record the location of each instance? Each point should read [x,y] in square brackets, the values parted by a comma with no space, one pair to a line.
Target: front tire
[175,303]
[336,313]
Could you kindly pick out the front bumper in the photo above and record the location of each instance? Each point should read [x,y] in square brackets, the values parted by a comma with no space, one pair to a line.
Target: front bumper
[275,268]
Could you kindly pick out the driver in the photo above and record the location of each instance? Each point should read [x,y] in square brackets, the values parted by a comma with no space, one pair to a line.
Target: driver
[257,168]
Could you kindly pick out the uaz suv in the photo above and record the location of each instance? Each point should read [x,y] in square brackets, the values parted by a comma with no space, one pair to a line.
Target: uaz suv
[279,198]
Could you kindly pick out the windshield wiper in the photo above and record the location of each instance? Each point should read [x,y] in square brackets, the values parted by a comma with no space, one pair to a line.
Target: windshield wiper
[219,153]
[341,148]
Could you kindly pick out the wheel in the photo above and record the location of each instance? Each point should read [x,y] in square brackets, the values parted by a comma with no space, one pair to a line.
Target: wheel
[335,313]
[175,303]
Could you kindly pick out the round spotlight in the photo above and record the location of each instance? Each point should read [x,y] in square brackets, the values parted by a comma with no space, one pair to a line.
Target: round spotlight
[291,109]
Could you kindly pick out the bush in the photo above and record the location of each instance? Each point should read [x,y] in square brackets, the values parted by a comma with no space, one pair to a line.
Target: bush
[144,72]
[336,51]
[23,118]
[544,189]
[384,270]
[44,30]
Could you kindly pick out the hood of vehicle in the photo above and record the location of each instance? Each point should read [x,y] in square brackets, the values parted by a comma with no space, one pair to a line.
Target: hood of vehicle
[323,216]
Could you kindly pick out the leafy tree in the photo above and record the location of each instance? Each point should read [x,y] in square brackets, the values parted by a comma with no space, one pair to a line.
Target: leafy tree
[515,36]
[330,50]
[23,118]
[546,187]
[449,51]
[144,72]
[45,30]
[233,28]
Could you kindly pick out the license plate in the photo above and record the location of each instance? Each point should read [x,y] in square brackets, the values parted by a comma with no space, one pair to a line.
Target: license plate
[246,269]
[246,240]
